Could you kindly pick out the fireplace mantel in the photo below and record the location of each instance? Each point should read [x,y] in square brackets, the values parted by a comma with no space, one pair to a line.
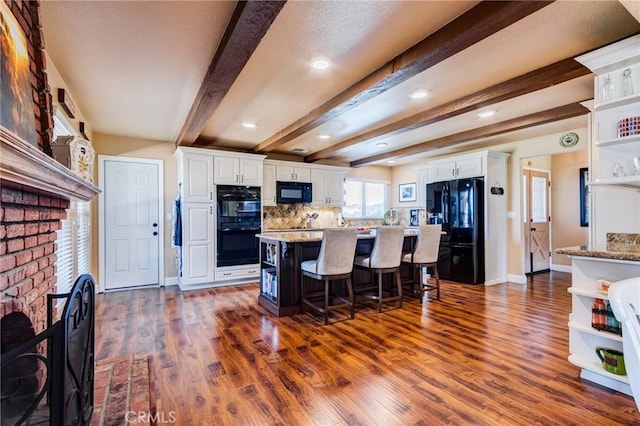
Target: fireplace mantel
[23,164]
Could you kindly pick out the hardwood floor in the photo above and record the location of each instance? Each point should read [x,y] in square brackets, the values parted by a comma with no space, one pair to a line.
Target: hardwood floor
[481,355]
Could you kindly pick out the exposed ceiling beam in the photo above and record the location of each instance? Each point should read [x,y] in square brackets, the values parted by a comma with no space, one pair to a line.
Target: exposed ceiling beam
[248,25]
[483,20]
[531,120]
[561,71]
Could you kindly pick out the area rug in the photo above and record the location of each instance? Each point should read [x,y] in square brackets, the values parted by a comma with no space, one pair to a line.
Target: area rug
[121,391]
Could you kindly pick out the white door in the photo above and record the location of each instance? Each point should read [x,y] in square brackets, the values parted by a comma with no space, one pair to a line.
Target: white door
[335,188]
[536,226]
[197,243]
[319,181]
[251,172]
[130,210]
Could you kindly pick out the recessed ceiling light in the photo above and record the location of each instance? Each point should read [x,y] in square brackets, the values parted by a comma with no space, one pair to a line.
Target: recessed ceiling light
[324,136]
[249,125]
[419,94]
[485,114]
[381,144]
[320,62]
[391,161]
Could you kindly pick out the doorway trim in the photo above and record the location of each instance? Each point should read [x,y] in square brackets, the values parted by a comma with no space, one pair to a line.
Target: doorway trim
[102,159]
[524,213]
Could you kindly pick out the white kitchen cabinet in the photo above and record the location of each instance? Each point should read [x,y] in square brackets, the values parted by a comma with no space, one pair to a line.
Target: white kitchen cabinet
[612,210]
[292,173]
[328,187]
[458,168]
[583,338]
[197,244]
[196,177]
[269,185]
[235,170]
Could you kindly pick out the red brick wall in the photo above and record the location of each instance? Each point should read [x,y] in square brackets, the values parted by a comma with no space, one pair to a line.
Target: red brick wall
[28,222]
[27,14]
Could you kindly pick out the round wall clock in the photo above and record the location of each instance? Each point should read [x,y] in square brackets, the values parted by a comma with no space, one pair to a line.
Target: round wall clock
[568,140]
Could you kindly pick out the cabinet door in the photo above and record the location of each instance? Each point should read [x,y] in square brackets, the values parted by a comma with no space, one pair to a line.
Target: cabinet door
[469,167]
[285,173]
[269,185]
[335,188]
[251,172]
[444,170]
[227,171]
[319,182]
[197,178]
[302,174]
[197,243]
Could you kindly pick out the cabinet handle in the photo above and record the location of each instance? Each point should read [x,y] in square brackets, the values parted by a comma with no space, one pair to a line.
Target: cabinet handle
[453,172]
[241,178]
[210,209]
[292,178]
[236,178]
[210,195]
[457,172]
[296,176]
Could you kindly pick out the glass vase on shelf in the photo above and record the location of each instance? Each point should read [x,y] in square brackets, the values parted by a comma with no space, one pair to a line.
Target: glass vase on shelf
[607,89]
[627,83]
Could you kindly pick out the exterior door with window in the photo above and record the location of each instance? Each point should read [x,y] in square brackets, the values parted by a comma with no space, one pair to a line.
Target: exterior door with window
[536,187]
[131,223]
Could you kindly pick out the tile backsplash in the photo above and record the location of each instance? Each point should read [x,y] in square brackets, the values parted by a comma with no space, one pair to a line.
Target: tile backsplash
[290,216]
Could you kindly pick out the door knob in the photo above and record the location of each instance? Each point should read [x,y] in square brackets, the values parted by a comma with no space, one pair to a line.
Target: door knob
[533,229]
[155,233]
[155,225]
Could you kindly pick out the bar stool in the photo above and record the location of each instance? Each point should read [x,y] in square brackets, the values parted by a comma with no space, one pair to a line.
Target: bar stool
[335,262]
[384,259]
[425,255]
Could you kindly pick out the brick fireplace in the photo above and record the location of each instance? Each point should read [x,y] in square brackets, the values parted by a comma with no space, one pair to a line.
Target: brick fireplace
[35,192]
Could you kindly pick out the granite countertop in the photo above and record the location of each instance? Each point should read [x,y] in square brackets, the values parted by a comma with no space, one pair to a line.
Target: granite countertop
[585,252]
[303,236]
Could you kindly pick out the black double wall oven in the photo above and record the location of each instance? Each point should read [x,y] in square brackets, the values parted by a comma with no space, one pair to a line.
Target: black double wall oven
[239,220]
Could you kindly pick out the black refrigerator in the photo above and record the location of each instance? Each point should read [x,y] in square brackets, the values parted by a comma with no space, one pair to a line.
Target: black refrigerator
[459,206]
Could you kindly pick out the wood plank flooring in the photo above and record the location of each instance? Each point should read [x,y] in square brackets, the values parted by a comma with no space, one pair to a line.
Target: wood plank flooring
[479,356]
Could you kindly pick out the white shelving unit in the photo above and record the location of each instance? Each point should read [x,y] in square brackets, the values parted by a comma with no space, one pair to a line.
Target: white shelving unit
[584,339]
[613,210]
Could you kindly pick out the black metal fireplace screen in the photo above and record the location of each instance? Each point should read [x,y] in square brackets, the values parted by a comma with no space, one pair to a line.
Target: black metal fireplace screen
[53,386]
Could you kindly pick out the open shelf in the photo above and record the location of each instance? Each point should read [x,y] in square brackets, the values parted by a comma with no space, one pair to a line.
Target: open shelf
[590,330]
[617,141]
[626,100]
[596,294]
[596,367]
[630,182]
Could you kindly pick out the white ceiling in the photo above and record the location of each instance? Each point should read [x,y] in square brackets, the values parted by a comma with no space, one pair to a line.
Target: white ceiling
[134,67]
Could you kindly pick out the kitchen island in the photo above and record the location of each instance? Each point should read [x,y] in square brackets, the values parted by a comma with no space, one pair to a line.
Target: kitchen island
[281,254]
[589,269]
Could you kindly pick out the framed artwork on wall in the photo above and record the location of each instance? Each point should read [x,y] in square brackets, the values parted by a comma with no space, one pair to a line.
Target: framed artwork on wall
[16,103]
[408,192]
[584,196]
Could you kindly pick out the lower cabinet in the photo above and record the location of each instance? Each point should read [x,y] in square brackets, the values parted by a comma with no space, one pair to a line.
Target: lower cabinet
[241,272]
[584,338]
[198,253]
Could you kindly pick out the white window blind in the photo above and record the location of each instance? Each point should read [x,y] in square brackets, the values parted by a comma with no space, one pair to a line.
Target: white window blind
[73,240]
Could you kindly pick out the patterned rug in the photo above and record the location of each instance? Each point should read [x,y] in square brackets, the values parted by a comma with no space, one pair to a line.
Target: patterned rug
[121,391]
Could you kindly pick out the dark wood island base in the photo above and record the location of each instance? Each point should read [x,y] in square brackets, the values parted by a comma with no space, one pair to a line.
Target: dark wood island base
[281,254]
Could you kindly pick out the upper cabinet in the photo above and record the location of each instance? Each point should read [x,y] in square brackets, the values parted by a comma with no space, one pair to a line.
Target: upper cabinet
[328,186]
[269,185]
[460,168]
[195,171]
[238,169]
[292,173]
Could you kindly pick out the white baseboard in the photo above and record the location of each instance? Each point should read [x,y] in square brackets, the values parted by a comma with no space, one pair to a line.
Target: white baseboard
[170,281]
[561,268]
[496,282]
[517,279]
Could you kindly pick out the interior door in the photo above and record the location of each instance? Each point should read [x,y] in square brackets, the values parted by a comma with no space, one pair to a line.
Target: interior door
[131,224]
[536,220]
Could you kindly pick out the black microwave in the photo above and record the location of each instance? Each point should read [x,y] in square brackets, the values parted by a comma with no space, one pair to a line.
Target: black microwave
[293,192]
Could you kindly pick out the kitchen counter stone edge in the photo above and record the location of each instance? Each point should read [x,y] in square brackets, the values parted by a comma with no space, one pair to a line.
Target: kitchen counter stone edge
[578,251]
[311,236]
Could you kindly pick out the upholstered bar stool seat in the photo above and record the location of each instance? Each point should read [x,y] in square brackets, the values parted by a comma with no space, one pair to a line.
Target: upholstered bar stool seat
[335,262]
[384,259]
[425,255]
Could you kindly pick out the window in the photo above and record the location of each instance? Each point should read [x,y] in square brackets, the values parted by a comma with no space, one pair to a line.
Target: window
[73,241]
[365,199]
